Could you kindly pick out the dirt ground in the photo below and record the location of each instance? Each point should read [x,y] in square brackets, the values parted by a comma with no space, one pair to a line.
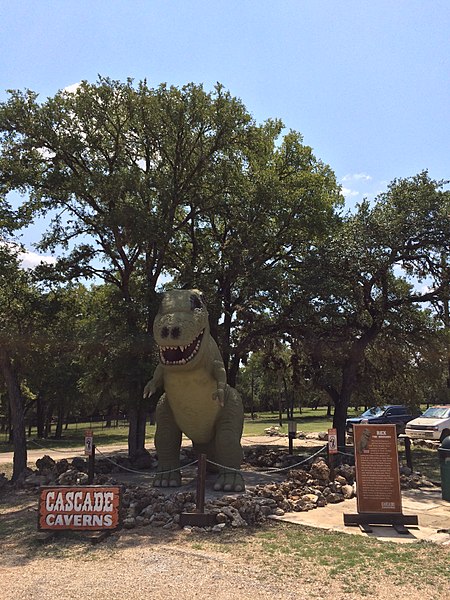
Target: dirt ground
[153,564]
[246,564]
[249,564]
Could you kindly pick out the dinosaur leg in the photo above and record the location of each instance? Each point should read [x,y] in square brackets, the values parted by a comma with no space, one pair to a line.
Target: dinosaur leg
[228,449]
[167,444]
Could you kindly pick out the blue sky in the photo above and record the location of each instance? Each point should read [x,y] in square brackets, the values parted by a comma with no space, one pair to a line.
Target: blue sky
[366,82]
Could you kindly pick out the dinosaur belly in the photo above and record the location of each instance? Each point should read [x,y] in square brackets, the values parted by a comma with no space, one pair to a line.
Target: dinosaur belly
[190,396]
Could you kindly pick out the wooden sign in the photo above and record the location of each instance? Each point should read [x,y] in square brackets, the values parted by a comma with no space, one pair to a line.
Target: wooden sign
[377,470]
[83,508]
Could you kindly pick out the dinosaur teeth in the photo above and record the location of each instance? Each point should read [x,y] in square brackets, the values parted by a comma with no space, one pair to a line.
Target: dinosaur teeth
[180,355]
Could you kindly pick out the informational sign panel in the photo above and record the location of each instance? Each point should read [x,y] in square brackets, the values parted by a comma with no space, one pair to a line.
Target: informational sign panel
[377,470]
[79,508]
[88,442]
[332,441]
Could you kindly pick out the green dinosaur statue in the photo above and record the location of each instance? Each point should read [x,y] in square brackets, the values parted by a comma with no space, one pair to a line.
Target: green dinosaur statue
[197,400]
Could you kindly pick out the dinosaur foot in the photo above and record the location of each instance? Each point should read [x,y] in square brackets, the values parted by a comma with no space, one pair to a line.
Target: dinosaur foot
[230,481]
[167,479]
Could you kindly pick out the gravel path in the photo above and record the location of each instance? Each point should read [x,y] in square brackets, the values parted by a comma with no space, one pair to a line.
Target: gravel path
[142,573]
[157,565]
[142,568]
[57,454]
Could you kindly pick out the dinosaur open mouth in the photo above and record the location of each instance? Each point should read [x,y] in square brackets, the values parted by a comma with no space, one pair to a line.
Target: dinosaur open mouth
[180,355]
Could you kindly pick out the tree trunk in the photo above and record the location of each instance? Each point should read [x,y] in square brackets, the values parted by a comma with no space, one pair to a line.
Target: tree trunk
[60,423]
[40,416]
[109,416]
[349,381]
[137,416]
[17,413]
[339,418]
[142,424]
[132,432]
[48,421]
[233,370]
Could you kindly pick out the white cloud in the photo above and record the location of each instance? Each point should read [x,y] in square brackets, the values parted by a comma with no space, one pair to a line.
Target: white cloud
[356,177]
[349,193]
[46,153]
[27,258]
[30,260]
[71,89]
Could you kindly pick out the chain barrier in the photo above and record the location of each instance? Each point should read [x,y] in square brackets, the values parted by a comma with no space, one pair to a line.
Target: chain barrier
[274,439]
[140,472]
[346,454]
[52,449]
[267,472]
[271,470]
[97,449]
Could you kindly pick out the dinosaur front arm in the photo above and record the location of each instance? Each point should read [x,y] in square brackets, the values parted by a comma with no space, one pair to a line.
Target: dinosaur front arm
[155,383]
[220,375]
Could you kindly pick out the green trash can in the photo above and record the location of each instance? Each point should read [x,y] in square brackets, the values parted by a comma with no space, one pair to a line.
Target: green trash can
[444,461]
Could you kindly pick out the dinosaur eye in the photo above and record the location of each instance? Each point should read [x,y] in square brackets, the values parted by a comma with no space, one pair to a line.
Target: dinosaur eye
[196,302]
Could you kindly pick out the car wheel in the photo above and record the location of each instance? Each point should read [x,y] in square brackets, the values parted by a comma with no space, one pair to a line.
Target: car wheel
[445,434]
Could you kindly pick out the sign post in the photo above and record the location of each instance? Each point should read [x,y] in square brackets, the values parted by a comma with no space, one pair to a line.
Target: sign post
[199,517]
[88,441]
[332,448]
[378,491]
[332,441]
[89,450]
[292,434]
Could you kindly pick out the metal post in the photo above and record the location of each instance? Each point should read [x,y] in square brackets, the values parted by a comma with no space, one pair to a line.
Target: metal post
[408,453]
[201,483]
[292,433]
[91,466]
[199,518]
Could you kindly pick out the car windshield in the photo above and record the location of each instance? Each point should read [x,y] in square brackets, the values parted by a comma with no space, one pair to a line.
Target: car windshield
[375,411]
[437,412]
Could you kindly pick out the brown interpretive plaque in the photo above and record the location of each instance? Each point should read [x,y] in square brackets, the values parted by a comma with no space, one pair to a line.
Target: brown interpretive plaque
[377,469]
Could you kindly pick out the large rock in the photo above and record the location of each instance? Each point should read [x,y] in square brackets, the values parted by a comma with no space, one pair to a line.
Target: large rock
[79,464]
[347,491]
[46,463]
[320,470]
[36,480]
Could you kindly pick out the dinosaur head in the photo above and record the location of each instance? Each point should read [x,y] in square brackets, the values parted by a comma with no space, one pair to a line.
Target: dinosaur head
[181,328]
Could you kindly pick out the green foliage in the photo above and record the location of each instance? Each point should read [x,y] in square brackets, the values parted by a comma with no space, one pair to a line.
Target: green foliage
[110,356]
[143,182]
[356,285]
[270,202]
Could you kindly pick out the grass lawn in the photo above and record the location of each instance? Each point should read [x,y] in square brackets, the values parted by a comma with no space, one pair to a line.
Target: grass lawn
[425,460]
[309,421]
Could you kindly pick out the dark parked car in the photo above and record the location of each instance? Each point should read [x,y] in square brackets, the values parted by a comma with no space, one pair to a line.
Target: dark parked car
[392,414]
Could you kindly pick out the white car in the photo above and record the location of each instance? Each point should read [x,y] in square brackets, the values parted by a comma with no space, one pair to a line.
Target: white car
[434,424]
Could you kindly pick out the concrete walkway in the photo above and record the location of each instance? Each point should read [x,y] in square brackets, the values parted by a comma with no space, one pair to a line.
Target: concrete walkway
[433,515]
